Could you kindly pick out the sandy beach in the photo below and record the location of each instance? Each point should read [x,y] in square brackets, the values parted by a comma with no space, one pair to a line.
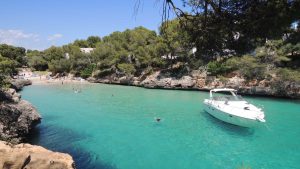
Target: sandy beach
[44,79]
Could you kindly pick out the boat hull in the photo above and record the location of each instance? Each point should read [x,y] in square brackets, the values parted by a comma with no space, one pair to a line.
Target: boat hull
[229,118]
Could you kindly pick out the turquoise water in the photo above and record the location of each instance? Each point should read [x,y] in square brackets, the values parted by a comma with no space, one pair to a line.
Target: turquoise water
[113,127]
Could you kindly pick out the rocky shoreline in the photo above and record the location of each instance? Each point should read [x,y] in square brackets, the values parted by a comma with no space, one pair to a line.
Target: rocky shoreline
[31,156]
[17,119]
[200,80]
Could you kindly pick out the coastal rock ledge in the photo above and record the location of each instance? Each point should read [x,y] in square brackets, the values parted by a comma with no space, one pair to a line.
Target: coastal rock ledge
[17,117]
[201,80]
[32,157]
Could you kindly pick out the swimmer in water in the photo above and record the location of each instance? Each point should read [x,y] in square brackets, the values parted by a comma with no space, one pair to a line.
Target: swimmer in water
[158,119]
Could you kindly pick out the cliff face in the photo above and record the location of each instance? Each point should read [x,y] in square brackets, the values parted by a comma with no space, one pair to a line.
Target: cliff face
[199,80]
[19,83]
[27,156]
[17,117]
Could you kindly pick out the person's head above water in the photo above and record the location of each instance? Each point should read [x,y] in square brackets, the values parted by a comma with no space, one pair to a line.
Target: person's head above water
[158,119]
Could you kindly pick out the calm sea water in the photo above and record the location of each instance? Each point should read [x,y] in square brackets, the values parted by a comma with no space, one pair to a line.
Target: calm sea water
[113,127]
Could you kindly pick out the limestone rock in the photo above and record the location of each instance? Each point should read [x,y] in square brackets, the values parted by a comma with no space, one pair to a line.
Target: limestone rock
[200,83]
[184,82]
[18,84]
[9,95]
[32,157]
[125,80]
[235,82]
[16,120]
[91,79]
[200,80]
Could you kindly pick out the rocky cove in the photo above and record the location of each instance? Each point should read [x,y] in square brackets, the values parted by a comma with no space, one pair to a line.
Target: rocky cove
[17,119]
[201,80]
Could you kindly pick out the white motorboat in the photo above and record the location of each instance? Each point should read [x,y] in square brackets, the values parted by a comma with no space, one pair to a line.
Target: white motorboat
[233,108]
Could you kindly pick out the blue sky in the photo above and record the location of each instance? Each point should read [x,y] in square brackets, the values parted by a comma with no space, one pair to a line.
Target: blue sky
[38,24]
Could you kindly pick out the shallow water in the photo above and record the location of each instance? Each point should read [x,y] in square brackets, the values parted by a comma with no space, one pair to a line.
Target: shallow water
[113,127]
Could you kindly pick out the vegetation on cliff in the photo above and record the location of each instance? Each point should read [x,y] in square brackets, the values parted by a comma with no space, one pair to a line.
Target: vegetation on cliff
[256,40]
[10,58]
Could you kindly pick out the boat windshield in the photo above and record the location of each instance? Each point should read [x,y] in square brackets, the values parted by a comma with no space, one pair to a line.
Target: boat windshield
[228,98]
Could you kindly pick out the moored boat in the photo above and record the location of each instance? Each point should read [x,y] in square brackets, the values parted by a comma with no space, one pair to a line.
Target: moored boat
[233,108]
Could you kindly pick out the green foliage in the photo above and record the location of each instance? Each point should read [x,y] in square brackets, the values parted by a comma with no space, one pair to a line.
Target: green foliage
[223,79]
[10,58]
[36,60]
[128,51]
[273,52]
[13,53]
[59,66]
[215,27]
[217,68]
[93,40]
[223,33]
[214,67]
[87,72]
[174,38]
[233,64]
[194,62]
[286,74]
[250,68]
[38,63]
[7,67]
[81,43]
[53,53]
[127,68]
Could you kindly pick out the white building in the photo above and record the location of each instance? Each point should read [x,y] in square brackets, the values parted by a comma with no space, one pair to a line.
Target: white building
[86,50]
[67,56]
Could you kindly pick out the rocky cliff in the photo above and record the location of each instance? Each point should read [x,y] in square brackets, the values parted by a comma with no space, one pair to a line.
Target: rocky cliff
[18,84]
[28,156]
[200,80]
[17,117]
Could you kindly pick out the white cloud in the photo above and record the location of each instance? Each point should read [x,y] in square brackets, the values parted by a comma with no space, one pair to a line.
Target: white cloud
[55,36]
[27,40]
[14,37]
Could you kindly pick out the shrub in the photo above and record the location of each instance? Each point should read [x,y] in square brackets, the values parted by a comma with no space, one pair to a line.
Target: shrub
[7,68]
[223,79]
[233,63]
[195,63]
[217,68]
[87,72]
[286,74]
[59,66]
[213,67]
[126,68]
[38,63]
[250,68]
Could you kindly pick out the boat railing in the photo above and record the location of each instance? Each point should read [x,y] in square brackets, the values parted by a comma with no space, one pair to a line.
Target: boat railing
[228,98]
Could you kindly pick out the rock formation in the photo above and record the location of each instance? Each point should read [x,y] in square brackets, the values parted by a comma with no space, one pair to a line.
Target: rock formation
[18,84]
[17,117]
[28,156]
[200,80]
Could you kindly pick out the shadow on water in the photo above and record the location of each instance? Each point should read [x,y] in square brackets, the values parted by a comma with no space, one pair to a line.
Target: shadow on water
[228,128]
[63,140]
